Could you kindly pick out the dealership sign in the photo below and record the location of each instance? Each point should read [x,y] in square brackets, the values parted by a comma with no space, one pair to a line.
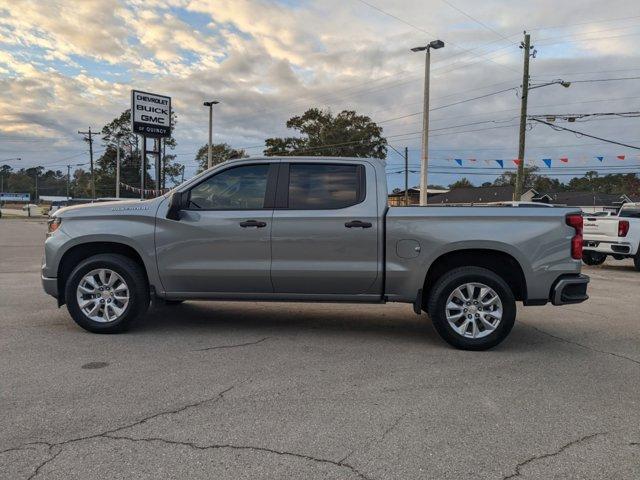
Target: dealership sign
[150,114]
[15,197]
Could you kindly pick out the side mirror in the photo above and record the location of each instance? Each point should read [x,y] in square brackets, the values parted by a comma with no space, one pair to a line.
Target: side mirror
[177,202]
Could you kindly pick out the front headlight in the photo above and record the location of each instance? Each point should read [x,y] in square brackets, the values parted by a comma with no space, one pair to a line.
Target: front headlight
[52,225]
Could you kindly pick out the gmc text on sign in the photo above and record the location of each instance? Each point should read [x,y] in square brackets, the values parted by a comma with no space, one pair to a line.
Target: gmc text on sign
[150,114]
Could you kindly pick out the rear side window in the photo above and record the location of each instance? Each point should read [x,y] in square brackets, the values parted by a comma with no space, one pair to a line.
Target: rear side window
[630,212]
[314,186]
[238,188]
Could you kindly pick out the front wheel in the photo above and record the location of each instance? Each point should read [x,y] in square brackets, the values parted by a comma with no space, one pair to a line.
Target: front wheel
[593,258]
[106,293]
[472,308]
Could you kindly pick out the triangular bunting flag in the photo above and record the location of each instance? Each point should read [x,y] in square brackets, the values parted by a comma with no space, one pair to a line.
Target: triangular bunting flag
[501,163]
[600,158]
[517,161]
[487,162]
[458,161]
[620,157]
[471,159]
[547,162]
[564,159]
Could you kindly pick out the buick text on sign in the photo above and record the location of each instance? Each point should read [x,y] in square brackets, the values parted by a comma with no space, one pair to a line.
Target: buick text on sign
[150,114]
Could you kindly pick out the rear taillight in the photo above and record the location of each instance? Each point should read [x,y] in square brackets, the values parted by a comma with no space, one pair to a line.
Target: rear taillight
[575,221]
[623,228]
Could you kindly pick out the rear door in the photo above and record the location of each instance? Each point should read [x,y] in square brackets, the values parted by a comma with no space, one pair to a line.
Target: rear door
[325,229]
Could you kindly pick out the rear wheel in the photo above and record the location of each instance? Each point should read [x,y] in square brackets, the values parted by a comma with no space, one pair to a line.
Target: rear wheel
[636,260]
[593,258]
[472,308]
[106,293]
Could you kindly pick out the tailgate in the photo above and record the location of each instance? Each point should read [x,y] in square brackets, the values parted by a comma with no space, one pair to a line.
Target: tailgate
[595,227]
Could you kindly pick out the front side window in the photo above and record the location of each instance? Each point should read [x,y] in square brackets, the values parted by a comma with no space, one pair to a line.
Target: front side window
[315,186]
[238,188]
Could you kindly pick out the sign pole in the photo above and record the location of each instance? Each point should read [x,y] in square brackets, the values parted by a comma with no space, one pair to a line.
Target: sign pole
[143,166]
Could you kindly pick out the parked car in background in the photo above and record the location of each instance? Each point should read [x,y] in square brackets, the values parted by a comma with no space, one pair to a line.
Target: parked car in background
[616,236]
[312,230]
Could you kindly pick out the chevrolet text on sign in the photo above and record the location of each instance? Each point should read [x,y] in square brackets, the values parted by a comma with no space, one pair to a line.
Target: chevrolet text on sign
[150,114]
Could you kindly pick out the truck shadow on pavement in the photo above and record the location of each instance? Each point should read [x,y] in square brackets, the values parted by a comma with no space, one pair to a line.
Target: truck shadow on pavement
[278,319]
[219,320]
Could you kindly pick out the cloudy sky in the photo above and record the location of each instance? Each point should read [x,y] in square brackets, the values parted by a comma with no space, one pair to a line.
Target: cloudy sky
[67,65]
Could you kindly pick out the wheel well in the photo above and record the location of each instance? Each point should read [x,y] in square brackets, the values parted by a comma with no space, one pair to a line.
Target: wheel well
[78,253]
[498,262]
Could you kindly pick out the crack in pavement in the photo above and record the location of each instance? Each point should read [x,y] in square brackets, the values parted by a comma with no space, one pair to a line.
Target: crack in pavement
[104,434]
[113,435]
[564,447]
[386,432]
[582,345]
[232,346]
[43,464]
[241,447]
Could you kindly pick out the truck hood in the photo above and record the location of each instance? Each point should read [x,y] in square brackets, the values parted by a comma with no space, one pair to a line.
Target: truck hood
[109,208]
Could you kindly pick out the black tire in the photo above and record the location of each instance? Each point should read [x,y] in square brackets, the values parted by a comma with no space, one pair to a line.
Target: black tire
[436,306]
[636,260]
[137,284]
[172,303]
[593,258]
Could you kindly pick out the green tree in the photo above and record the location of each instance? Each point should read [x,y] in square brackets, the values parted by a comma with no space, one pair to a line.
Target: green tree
[462,183]
[509,178]
[346,134]
[220,152]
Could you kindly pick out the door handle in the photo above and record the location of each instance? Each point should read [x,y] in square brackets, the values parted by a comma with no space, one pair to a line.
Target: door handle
[357,224]
[253,223]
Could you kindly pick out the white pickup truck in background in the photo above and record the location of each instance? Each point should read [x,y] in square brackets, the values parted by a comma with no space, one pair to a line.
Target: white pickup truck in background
[617,236]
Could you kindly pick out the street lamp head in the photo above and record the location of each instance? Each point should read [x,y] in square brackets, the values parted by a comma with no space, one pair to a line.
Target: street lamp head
[436,44]
[418,49]
[213,102]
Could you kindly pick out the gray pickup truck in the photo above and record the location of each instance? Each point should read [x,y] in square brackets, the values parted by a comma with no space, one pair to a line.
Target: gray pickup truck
[312,230]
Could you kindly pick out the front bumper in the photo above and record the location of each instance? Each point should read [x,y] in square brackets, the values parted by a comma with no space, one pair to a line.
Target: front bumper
[50,286]
[570,289]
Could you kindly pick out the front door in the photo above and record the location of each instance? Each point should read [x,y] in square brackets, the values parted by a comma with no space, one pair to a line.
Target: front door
[222,241]
[325,230]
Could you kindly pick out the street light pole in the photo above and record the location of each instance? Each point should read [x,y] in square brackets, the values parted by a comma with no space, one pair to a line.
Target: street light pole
[424,159]
[209,151]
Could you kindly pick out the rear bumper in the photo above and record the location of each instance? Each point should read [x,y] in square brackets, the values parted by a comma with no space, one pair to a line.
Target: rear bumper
[50,286]
[570,289]
[608,247]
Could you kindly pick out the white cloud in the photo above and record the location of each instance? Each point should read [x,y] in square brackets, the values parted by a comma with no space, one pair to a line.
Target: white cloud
[267,61]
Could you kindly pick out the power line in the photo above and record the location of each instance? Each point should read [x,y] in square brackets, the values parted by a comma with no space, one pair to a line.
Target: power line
[482,24]
[557,127]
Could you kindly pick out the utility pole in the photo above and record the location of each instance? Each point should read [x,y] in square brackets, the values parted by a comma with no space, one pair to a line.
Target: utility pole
[118,168]
[424,159]
[406,176]
[526,47]
[210,150]
[89,138]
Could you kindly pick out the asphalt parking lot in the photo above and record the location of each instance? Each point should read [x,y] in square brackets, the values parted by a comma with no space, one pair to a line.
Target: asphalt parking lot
[263,390]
